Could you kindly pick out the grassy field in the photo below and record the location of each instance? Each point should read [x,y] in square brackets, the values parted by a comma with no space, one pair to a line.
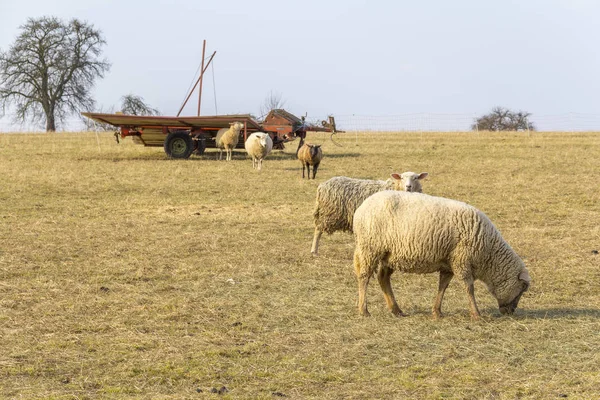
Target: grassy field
[127,275]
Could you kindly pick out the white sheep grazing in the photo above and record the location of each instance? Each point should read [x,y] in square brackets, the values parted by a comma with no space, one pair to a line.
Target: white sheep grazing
[339,197]
[228,138]
[418,233]
[258,146]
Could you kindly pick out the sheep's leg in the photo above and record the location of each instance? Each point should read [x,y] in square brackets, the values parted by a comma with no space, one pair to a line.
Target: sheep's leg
[253,162]
[383,276]
[315,244]
[220,156]
[315,170]
[228,154]
[472,304]
[363,274]
[445,278]
[259,162]
[303,170]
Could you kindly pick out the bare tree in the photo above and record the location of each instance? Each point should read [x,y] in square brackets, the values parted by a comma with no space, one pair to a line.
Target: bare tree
[273,101]
[135,105]
[50,70]
[503,119]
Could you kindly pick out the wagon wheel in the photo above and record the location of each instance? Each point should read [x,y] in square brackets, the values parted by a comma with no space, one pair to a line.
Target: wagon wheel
[179,144]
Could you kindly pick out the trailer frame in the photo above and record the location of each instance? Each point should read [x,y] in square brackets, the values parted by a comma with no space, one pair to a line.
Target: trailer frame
[182,136]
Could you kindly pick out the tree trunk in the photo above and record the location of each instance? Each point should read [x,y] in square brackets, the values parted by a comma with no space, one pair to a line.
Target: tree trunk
[50,122]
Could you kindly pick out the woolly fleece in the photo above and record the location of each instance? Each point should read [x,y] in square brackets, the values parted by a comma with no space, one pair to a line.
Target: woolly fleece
[418,233]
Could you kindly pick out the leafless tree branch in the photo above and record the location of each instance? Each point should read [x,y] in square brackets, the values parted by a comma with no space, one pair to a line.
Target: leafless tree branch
[503,119]
[49,71]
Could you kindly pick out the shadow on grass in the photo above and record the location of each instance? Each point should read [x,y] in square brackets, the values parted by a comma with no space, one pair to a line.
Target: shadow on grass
[520,313]
[208,156]
[292,156]
[559,312]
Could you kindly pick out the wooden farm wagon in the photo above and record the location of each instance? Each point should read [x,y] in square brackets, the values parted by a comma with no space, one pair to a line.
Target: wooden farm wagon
[182,136]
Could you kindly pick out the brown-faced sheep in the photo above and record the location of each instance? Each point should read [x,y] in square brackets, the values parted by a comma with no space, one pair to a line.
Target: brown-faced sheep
[310,154]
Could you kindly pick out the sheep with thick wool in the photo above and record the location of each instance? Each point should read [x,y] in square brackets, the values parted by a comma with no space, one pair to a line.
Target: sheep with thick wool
[258,146]
[228,138]
[418,233]
[339,197]
[310,154]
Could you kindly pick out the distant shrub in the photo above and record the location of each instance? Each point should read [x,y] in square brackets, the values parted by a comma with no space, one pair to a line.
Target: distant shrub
[503,119]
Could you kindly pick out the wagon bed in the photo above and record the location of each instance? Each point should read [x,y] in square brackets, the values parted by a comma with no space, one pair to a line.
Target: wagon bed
[180,136]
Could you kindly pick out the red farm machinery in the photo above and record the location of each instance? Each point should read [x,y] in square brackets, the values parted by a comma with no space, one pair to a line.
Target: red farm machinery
[182,136]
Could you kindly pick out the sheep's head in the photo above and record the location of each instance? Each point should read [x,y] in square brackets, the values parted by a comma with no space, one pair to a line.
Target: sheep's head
[409,181]
[510,293]
[238,126]
[314,149]
[262,138]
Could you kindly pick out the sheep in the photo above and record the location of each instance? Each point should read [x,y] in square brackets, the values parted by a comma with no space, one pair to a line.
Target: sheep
[258,146]
[310,154]
[228,138]
[418,233]
[339,197]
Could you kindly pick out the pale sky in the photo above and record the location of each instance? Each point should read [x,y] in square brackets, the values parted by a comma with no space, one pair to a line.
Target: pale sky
[343,57]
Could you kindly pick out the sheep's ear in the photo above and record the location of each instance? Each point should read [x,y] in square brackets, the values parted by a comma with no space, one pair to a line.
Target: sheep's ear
[525,278]
[423,175]
[396,176]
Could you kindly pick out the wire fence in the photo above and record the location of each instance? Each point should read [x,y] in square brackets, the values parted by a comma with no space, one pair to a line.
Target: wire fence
[415,122]
[433,122]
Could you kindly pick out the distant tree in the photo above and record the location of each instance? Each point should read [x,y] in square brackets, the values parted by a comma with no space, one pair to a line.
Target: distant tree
[273,101]
[503,119]
[130,105]
[50,70]
[135,105]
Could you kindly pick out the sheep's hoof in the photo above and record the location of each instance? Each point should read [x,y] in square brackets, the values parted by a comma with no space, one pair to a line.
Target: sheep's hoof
[475,317]
[437,315]
[365,313]
[398,312]
[314,253]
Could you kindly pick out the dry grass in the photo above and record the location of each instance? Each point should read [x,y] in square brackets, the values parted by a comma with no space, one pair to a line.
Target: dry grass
[115,265]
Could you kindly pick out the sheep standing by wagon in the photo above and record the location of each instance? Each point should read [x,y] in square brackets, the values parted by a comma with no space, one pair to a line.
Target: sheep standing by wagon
[417,233]
[228,138]
[339,197]
[258,146]
[310,154]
